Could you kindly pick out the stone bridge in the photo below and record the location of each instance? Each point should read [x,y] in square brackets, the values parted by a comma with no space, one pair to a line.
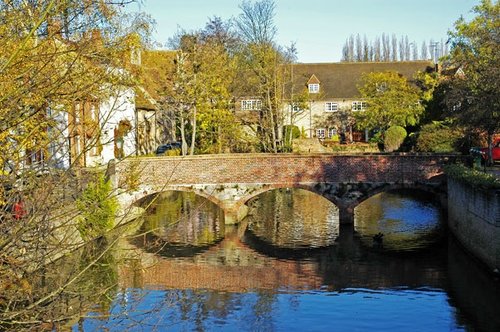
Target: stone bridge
[232,180]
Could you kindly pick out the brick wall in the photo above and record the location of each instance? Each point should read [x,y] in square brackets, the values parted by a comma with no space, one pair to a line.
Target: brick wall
[285,168]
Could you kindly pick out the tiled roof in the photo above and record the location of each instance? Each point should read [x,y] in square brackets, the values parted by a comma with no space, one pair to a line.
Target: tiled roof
[341,80]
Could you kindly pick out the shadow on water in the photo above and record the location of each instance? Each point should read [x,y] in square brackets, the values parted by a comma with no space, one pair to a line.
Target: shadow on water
[473,291]
[156,245]
[264,247]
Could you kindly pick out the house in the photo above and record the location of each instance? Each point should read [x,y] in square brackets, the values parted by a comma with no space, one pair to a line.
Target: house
[333,87]
[329,89]
[92,127]
[101,130]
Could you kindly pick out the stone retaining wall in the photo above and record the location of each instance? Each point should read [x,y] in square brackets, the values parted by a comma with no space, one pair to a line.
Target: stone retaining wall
[474,218]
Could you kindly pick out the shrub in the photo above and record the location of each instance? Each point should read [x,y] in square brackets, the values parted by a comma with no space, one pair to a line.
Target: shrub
[393,138]
[97,207]
[473,177]
[437,137]
[286,132]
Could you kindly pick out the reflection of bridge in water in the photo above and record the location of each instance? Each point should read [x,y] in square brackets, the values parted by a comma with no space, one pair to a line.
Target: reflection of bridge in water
[231,181]
[240,264]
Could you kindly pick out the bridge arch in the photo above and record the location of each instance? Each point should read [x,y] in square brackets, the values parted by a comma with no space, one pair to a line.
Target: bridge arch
[305,186]
[439,193]
[147,196]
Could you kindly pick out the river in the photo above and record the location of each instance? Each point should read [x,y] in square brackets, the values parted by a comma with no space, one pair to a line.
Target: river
[290,266]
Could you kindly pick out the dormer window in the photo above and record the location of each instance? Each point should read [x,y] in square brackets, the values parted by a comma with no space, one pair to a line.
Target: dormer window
[313,84]
[314,88]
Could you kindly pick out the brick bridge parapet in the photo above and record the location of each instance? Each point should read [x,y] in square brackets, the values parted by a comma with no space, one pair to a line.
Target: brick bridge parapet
[231,180]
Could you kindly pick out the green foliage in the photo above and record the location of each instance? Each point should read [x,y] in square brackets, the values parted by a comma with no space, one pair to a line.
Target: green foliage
[473,97]
[295,133]
[473,177]
[392,101]
[377,138]
[97,207]
[173,152]
[437,137]
[132,177]
[393,138]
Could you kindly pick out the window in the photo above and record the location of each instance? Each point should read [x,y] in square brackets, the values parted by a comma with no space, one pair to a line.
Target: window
[296,108]
[331,107]
[332,132]
[358,105]
[313,88]
[251,105]
[320,133]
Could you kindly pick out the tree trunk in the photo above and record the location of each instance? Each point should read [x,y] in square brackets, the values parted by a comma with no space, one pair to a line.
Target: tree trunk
[490,161]
[193,134]
[183,137]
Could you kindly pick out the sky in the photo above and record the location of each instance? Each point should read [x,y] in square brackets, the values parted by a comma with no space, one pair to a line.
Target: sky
[319,28]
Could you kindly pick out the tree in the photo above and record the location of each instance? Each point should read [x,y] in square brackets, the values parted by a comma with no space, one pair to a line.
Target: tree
[394,45]
[423,52]
[473,98]
[263,64]
[359,48]
[204,71]
[255,24]
[53,55]
[391,101]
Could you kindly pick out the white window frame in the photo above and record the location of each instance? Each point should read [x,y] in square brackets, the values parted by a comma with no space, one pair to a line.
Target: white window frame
[331,107]
[320,132]
[313,87]
[358,105]
[251,105]
[331,132]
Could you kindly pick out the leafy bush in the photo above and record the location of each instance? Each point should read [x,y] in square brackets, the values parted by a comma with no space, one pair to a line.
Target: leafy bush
[393,138]
[473,177]
[295,131]
[97,207]
[437,137]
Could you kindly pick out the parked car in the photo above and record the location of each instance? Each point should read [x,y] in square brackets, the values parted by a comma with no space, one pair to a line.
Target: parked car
[162,149]
[483,152]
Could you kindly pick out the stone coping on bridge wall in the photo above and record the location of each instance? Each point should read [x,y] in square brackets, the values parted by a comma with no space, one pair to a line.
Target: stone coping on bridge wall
[304,155]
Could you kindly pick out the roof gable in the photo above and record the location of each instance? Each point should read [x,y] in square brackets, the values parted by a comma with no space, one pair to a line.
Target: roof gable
[313,80]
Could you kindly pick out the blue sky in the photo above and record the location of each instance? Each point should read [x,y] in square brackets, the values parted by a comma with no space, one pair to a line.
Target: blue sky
[319,28]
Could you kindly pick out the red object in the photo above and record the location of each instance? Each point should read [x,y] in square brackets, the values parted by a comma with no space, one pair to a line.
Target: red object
[495,150]
[18,210]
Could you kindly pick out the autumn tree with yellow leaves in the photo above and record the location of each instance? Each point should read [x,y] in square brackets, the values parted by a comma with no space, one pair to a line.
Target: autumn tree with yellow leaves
[53,54]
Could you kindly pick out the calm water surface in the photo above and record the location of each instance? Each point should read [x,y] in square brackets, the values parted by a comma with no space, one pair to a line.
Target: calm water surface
[289,266]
